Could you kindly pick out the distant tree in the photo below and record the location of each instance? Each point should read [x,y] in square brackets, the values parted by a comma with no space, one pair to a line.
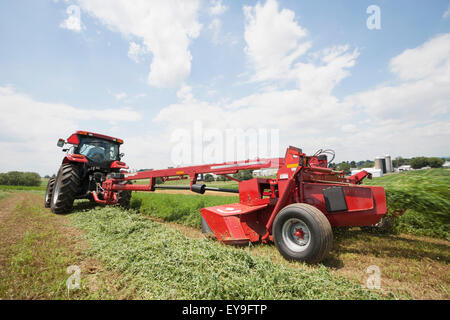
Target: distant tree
[3,179]
[47,176]
[353,164]
[221,178]
[159,181]
[209,177]
[419,162]
[399,161]
[332,166]
[244,175]
[344,166]
[31,179]
[365,164]
[435,162]
[16,178]
[53,175]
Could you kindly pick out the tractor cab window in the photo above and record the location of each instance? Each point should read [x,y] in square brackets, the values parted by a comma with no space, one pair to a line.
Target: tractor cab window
[98,150]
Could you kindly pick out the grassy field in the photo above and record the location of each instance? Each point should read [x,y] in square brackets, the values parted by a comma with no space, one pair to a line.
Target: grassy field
[21,188]
[162,254]
[182,208]
[36,250]
[124,255]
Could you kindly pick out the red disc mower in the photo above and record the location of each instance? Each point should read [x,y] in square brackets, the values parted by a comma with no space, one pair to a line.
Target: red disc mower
[295,210]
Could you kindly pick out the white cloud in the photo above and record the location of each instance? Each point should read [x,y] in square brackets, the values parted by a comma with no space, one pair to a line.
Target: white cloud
[217,8]
[136,52]
[273,40]
[333,67]
[165,28]
[73,21]
[422,91]
[29,129]
[446,13]
[430,58]
[276,43]
[121,96]
[409,118]
[215,26]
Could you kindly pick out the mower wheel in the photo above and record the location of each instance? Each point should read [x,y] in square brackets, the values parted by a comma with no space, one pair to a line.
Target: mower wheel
[301,232]
[66,188]
[124,196]
[49,192]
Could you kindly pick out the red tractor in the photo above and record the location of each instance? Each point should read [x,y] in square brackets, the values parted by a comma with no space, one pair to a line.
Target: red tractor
[296,210]
[90,160]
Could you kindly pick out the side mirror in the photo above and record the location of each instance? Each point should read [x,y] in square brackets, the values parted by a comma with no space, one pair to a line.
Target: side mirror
[61,143]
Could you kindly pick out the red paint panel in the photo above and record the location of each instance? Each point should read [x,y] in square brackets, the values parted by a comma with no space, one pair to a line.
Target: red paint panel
[232,223]
[119,164]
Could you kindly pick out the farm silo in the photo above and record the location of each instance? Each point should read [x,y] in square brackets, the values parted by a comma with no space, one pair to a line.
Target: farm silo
[379,163]
[389,166]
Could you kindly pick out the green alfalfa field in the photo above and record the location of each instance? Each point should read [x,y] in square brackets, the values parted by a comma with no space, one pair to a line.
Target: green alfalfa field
[156,250]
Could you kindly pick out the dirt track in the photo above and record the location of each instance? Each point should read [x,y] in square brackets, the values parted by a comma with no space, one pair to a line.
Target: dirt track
[37,247]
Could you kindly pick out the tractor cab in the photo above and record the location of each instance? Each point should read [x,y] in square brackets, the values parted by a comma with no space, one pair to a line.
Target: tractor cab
[94,149]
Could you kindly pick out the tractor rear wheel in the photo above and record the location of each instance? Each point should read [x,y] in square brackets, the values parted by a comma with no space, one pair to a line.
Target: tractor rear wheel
[66,188]
[302,232]
[124,196]
[49,192]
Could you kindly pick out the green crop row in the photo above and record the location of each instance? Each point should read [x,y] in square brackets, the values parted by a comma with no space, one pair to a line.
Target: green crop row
[423,197]
[181,208]
[22,188]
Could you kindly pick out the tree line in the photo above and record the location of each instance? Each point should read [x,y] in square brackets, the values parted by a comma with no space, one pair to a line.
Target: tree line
[415,163]
[419,162]
[17,178]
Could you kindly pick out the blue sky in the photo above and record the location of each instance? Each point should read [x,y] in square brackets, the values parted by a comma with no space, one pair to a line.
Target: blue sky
[222,62]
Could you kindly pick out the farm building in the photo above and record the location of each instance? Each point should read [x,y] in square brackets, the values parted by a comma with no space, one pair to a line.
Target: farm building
[375,172]
[404,168]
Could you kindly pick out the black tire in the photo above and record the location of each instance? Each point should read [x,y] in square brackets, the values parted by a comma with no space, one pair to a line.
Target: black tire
[66,187]
[314,239]
[49,192]
[124,196]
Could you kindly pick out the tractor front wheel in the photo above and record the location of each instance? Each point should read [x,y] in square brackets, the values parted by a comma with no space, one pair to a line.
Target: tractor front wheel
[66,188]
[302,232]
[49,192]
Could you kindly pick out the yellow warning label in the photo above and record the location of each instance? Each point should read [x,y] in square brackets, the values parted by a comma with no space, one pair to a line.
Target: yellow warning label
[179,172]
[292,165]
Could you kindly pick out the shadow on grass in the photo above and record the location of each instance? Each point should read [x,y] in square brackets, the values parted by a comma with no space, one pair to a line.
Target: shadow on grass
[84,205]
[360,242]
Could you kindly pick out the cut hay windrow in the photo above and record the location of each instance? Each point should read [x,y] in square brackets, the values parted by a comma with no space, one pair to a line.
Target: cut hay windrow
[161,263]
